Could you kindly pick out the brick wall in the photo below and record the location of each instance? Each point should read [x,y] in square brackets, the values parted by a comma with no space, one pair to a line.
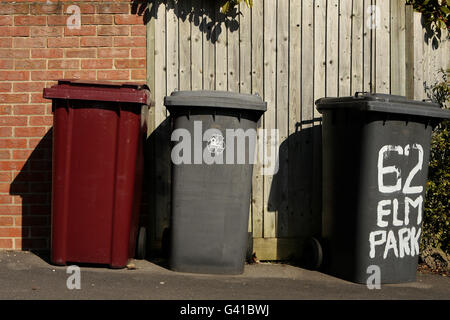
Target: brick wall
[37,48]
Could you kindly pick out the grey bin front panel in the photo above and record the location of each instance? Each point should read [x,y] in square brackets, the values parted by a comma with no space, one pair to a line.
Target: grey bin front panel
[210,202]
[352,142]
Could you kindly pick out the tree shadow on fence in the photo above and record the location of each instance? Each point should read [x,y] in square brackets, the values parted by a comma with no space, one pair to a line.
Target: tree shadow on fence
[33,184]
[204,14]
[296,189]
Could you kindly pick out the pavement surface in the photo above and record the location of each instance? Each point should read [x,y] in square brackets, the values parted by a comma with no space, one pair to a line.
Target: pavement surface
[24,275]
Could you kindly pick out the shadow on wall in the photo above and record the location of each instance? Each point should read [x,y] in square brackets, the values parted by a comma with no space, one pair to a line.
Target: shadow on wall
[204,14]
[33,184]
[296,190]
[158,187]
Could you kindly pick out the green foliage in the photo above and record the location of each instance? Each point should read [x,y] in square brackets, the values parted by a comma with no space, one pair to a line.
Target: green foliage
[436,13]
[436,224]
[230,4]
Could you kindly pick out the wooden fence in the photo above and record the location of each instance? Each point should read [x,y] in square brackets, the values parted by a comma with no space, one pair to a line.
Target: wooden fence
[291,52]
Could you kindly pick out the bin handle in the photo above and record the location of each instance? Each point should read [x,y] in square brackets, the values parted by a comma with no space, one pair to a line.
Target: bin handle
[358,93]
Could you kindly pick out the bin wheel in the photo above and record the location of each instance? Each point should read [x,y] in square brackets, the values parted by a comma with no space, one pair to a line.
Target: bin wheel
[313,254]
[141,243]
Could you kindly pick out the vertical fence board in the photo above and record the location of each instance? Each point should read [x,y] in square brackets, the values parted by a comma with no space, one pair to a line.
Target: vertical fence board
[382,50]
[294,152]
[196,48]
[221,43]
[270,61]
[209,69]
[282,118]
[345,49]
[257,52]
[332,47]
[357,47]
[184,45]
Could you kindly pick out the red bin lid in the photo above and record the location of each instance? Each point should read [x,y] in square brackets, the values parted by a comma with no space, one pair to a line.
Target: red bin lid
[99,91]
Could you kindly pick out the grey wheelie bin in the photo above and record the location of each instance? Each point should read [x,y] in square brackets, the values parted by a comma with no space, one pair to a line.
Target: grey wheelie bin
[375,163]
[214,136]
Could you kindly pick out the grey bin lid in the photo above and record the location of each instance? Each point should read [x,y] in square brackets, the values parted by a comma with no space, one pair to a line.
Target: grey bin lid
[386,103]
[215,99]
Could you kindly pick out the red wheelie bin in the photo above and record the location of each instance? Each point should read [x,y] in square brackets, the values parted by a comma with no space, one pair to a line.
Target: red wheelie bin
[98,133]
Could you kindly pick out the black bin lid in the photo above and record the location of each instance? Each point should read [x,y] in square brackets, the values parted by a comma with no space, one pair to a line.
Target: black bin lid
[387,103]
[215,99]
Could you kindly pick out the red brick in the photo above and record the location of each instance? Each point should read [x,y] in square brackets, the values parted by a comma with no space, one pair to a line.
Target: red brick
[5,42]
[5,199]
[37,98]
[28,86]
[40,209]
[128,19]
[13,98]
[11,165]
[10,232]
[35,244]
[57,20]
[8,8]
[47,53]
[13,143]
[97,19]
[6,177]
[113,75]
[138,53]
[81,74]
[84,8]
[6,64]
[64,64]
[14,76]
[31,221]
[4,154]
[129,63]
[14,31]
[6,221]
[83,31]
[29,131]
[41,121]
[46,31]
[63,42]
[138,75]
[80,53]
[40,232]
[97,64]
[29,109]
[129,42]
[96,41]
[46,75]
[30,64]
[6,21]
[10,209]
[40,186]
[30,42]
[113,52]
[21,154]
[4,87]
[45,8]
[15,53]
[113,8]
[113,30]
[12,121]
[6,244]
[30,20]
[138,30]
[5,132]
